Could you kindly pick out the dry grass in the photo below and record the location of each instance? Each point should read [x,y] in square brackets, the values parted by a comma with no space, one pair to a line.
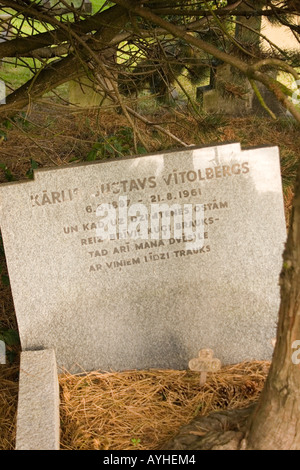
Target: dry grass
[144,409]
[134,409]
[8,406]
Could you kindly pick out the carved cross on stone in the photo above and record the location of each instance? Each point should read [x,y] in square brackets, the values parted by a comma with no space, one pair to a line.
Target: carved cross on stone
[205,362]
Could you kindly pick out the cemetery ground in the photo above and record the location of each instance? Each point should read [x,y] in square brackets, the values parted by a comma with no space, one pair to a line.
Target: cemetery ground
[131,409]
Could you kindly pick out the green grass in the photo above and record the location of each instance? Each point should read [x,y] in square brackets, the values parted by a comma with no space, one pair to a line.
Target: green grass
[13,74]
[13,71]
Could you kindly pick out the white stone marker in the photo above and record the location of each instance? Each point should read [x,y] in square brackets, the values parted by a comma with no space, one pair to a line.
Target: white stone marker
[205,362]
[38,402]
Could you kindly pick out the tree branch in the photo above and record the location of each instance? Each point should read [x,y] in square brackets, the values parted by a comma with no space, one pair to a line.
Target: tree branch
[19,47]
[61,71]
[248,70]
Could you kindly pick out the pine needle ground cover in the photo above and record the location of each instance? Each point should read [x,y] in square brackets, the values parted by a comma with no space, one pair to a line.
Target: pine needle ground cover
[134,410]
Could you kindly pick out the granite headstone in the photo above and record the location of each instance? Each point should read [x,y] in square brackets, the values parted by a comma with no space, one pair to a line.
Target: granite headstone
[149,302]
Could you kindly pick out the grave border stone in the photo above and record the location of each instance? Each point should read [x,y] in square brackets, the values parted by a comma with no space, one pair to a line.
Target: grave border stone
[38,421]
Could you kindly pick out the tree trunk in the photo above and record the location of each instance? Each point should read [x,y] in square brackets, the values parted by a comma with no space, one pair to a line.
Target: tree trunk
[275,423]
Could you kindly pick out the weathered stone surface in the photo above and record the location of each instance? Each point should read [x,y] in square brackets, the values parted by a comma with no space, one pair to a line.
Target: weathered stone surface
[148,303]
[38,402]
[233,95]
[2,352]
[83,93]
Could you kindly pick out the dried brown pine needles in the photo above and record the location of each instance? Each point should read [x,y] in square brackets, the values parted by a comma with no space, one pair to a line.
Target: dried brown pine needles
[143,409]
[134,409]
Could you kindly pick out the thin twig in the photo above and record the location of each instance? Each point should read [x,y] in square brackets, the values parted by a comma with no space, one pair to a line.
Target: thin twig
[261,100]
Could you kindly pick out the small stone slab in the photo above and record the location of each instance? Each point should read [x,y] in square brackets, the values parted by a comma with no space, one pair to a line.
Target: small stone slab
[38,403]
[205,362]
[2,352]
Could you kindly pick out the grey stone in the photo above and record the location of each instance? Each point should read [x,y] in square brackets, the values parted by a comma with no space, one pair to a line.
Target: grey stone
[38,402]
[87,6]
[230,91]
[2,91]
[84,93]
[5,35]
[233,95]
[2,352]
[5,27]
[138,304]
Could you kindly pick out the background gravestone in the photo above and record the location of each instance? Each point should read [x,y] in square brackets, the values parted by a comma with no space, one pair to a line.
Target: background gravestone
[229,91]
[2,352]
[85,93]
[126,304]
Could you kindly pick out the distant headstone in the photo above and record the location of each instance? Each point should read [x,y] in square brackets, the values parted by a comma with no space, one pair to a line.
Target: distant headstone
[84,6]
[84,93]
[5,35]
[2,352]
[145,298]
[2,91]
[5,27]
[94,89]
[87,6]
[232,94]
[46,4]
